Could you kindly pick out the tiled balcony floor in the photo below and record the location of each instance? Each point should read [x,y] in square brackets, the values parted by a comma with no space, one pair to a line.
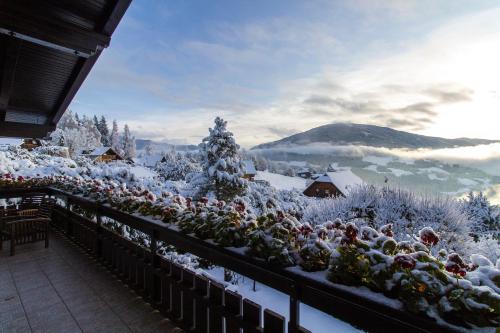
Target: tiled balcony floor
[61,289]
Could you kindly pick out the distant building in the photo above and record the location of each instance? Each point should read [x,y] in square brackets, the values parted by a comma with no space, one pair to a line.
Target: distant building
[304,173]
[102,154]
[31,144]
[333,184]
[249,170]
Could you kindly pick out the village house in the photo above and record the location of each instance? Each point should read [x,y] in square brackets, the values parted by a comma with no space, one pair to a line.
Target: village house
[31,144]
[333,184]
[249,170]
[102,154]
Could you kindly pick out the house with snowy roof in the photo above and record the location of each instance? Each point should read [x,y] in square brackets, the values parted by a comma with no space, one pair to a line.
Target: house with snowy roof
[333,184]
[31,144]
[249,170]
[101,154]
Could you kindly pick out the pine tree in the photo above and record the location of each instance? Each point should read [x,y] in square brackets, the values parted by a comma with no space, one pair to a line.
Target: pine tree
[104,130]
[96,122]
[221,162]
[115,138]
[128,143]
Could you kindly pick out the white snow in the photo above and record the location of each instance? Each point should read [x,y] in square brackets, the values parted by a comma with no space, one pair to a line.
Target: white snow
[399,172]
[310,318]
[281,182]
[372,167]
[379,160]
[142,172]
[467,182]
[249,167]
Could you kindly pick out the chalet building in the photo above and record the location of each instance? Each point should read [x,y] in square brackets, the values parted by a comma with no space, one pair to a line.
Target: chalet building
[249,170]
[31,144]
[102,154]
[333,184]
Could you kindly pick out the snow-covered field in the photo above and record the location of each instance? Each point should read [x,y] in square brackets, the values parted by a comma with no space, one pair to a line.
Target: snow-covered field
[281,182]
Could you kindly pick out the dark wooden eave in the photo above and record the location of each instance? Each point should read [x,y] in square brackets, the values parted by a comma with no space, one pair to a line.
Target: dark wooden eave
[47,49]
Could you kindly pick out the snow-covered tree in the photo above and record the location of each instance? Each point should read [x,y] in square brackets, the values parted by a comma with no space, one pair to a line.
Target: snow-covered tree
[115,138]
[484,218]
[128,143]
[76,134]
[221,162]
[104,130]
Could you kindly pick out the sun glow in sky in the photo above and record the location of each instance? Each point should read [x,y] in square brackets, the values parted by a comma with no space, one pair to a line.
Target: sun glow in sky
[274,68]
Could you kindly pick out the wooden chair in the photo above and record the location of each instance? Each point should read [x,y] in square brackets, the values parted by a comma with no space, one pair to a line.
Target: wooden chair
[27,223]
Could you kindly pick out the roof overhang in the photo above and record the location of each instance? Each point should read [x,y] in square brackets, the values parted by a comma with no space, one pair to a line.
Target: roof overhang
[47,49]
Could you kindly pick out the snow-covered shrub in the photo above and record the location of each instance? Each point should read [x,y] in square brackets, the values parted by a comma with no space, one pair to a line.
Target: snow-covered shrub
[463,293]
[177,166]
[484,218]
[407,212]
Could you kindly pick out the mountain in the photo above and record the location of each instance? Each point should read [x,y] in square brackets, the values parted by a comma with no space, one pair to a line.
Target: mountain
[370,135]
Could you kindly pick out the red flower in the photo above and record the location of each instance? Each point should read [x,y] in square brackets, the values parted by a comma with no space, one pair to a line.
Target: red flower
[20,178]
[456,265]
[428,236]
[351,231]
[387,230]
[405,261]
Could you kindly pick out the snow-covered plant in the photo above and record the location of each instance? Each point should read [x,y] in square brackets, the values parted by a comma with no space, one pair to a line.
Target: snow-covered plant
[176,166]
[447,285]
[407,212]
[221,162]
[484,218]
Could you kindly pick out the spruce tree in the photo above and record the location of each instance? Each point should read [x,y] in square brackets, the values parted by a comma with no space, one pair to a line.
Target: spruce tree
[221,162]
[104,130]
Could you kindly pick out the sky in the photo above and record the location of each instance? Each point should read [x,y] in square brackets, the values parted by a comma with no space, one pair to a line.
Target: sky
[275,68]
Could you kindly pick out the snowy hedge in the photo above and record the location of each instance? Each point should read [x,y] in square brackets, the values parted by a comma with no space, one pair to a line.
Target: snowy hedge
[444,286]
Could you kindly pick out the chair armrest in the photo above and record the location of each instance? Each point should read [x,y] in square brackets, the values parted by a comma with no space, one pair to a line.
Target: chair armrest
[29,219]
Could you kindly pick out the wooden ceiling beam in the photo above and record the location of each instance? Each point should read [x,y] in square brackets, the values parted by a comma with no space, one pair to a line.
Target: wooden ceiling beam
[23,22]
[9,56]
[23,130]
[82,70]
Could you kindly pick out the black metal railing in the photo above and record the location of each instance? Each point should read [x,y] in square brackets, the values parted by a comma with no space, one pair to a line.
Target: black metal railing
[196,303]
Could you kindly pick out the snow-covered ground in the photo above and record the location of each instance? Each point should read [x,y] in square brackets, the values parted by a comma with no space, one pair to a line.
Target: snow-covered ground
[314,320]
[281,182]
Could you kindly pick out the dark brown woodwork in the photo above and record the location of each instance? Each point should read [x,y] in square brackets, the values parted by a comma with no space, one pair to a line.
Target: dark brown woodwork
[47,49]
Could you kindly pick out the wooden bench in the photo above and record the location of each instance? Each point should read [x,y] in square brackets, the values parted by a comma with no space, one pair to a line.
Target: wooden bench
[26,223]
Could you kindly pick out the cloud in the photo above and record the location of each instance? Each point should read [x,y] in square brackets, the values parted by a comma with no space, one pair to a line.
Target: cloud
[282,132]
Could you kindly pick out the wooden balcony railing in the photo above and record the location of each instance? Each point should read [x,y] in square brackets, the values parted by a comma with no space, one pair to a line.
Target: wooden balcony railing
[198,304]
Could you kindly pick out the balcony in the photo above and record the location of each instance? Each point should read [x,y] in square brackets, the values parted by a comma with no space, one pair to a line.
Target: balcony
[92,279]
[63,289]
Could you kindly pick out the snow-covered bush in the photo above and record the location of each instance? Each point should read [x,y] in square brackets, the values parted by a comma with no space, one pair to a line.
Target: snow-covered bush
[465,294]
[484,218]
[177,166]
[407,212]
